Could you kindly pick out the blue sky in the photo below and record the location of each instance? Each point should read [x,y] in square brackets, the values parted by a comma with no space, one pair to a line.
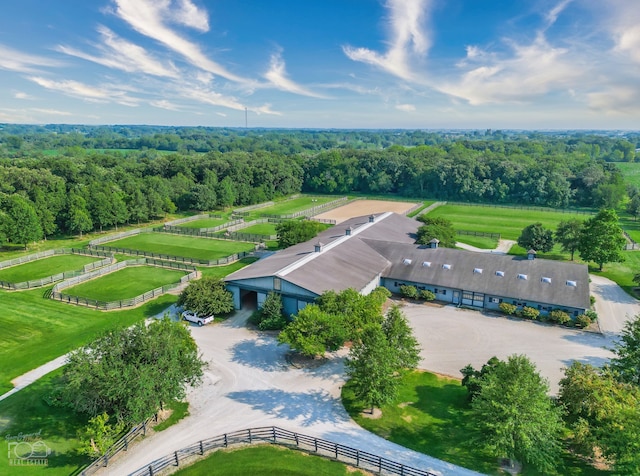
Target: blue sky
[524,64]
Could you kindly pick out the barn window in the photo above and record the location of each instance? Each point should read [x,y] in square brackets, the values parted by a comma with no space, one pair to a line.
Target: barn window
[426,264]
[477,270]
[500,274]
[522,276]
[446,266]
[406,261]
[277,284]
[573,284]
[546,280]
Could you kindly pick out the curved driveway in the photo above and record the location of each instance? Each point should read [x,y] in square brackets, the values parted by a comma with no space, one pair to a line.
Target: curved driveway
[613,305]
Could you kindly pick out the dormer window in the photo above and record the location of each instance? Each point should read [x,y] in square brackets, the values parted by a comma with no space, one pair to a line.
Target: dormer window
[446,266]
[500,274]
[426,264]
[546,280]
[522,276]
[572,284]
[406,261]
[477,270]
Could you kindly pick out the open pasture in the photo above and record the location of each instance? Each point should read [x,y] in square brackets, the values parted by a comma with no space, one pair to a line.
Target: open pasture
[509,222]
[45,267]
[205,223]
[260,229]
[294,205]
[365,207]
[630,171]
[126,283]
[180,245]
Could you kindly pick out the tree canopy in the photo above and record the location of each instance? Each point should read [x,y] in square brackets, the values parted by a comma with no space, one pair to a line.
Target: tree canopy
[602,240]
[439,228]
[626,363]
[207,296]
[292,232]
[568,235]
[536,237]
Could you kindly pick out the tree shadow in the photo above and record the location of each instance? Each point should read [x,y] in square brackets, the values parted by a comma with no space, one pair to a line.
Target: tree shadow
[591,339]
[312,406]
[259,353]
[594,360]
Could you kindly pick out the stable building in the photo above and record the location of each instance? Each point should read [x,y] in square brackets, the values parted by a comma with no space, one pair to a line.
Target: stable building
[366,252]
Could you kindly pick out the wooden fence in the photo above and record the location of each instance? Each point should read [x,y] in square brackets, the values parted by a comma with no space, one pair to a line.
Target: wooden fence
[34,283]
[278,436]
[202,216]
[631,244]
[309,212]
[118,236]
[119,304]
[478,233]
[576,211]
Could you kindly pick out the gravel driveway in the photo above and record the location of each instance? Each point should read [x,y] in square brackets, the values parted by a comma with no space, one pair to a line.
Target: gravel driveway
[613,305]
[249,384]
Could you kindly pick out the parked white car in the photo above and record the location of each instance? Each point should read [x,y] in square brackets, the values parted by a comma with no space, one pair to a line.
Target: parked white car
[192,316]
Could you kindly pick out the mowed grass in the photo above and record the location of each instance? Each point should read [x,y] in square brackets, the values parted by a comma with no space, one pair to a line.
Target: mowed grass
[482,242]
[36,330]
[266,459]
[205,223]
[622,273]
[45,267]
[184,246]
[432,416]
[630,171]
[509,222]
[125,283]
[260,229]
[292,206]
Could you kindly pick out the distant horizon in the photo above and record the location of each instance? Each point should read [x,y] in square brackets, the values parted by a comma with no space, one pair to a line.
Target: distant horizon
[323,64]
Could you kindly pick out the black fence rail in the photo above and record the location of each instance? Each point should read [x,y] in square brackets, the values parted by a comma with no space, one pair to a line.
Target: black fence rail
[251,237]
[631,244]
[478,233]
[178,259]
[121,445]
[275,435]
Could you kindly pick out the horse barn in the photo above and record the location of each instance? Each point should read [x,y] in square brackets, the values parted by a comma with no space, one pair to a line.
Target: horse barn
[366,252]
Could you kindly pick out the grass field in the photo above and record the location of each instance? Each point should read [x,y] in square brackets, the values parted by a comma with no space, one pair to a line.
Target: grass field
[432,416]
[125,283]
[482,242]
[630,171]
[509,222]
[291,206]
[45,267]
[622,273]
[179,245]
[205,223]
[264,460]
[260,229]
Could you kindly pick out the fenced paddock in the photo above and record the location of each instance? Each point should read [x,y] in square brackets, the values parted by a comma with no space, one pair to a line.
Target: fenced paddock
[188,249]
[72,298]
[38,267]
[274,435]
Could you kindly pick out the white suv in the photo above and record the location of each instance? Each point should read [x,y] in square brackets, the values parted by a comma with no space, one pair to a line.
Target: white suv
[192,316]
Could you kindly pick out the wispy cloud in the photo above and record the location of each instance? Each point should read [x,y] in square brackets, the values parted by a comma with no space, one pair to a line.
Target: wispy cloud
[14,60]
[80,90]
[277,76]
[407,39]
[405,107]
[164,104]
[624,27]
[213,98]
[22,95]
[151,18]
[121,54]
[53,112]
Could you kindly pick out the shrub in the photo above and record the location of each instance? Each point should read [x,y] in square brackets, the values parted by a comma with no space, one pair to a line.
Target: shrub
[559,316]
[427,295]
[507,308]
[270,316]
[592,299]
[530,313]
[583,321]
[410,292]
[593,315]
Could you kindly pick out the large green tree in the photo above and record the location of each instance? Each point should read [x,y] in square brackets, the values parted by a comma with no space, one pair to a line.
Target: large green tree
[291,232]
[399,336]
[568,235]
[602,240]
[439,228]
[536,237]
[131,373]
[207,296]
[626,362]
[23,225]
[314,332]
[515,416]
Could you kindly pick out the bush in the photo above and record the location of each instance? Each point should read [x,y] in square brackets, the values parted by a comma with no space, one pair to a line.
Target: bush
[270,316]
[509,309]
[583,321]
[593,315]
[427,295]
[530,313]
[559,316]
[410,292]
[592,299]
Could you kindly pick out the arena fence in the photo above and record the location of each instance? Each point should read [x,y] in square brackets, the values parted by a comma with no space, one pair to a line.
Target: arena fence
[119,236]
[249,208]
[274,435]
[106,306]
[313,210]
[107,258]
[202,216]
[413,208]
[577,211]
[198,231]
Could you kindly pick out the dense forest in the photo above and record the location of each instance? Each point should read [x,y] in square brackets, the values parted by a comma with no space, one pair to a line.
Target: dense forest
[74,179]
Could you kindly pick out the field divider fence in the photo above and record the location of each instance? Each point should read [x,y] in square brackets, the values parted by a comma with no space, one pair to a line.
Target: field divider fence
[35,283]
[575,211]
[413,208]
[309,212]
[478,233]
[278,436]
[178,259]
[249,208]
[119,236]
[631,243]
[57,295]
[201,216]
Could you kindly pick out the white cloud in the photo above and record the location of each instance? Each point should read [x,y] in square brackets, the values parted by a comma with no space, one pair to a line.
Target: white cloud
[121,54]
[206,96]
[22,95]
[164,104]
[53,112]
[553,14]
[277,76]
[407,39]
[149,18]
[14,60]
[621,100]
[405,107]
[624,26]
[76,89]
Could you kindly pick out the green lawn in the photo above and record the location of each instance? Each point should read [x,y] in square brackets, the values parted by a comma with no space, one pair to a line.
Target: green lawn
[424,205]
[294,205]
[630,171]
[27,412]
[179,245]
[509,222]
[431,415]
[45,267]
[36,330]
[205,223]
[125,283]
[265,460]
[260,229]
[621,273]
[482,242]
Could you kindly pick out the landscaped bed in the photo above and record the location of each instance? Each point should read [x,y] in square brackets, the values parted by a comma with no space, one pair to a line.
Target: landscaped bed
[183,246]
[126,283]
[44,267]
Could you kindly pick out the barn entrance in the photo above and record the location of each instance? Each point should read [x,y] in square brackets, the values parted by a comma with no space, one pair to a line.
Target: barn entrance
[248,299]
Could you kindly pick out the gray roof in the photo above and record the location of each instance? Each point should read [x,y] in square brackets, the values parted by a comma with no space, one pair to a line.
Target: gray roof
[344,262]
[477,272]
